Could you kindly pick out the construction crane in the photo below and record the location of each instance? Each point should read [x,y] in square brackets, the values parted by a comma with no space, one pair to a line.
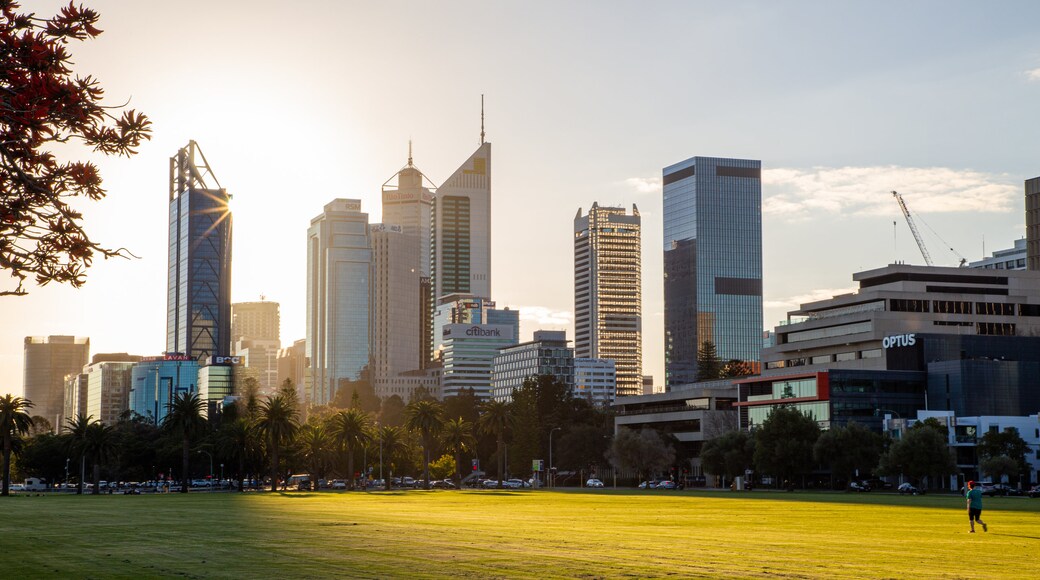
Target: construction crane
[917,235]
[913,228]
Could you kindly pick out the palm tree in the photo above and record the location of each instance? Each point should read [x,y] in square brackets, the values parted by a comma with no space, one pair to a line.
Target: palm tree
[457,437]
[425,417]
[317,448]
[15,421]
[277,423]
[351,429]
[77,442]
[184,418]
[495,418]
[391,441]
[237,442]
[99,444]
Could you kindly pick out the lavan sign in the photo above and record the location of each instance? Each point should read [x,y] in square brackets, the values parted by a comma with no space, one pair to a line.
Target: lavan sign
[898,340]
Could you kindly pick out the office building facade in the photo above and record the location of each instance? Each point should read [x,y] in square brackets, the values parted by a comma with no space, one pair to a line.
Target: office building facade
[156,381]
[48,360]
[339,260]
[294,366]
[1033,223]
[397,332]
[595,379]
[108,389]
[712,263]
[1008,259]
[198,321]
[608,292]
[546,354]
[256,321]
[469,352]
[461,246]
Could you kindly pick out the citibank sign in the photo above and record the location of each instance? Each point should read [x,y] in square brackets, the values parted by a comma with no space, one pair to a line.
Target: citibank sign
[478,331]
[899,340]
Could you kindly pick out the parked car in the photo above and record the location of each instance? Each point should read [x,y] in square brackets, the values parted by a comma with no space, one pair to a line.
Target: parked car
[339,484]
[908,489]
[651,484]
[878,484]
[442,484]
[593,483]
[1034,491]
[667,484]
[1001,489]
[515,484]
[407,482]
[490,483]
[859,486]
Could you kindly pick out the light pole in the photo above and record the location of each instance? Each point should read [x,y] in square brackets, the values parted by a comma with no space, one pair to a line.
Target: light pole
[386,484]
[66,473]
[221,472]
[552,480]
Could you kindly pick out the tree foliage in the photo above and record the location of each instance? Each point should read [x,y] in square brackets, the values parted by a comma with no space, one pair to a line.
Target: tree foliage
[643,451]
[1007,443]
[784,443]
[729,454]
[426,418]
[14,422]
[998,467]
[922,452]
[42,105]
[709,366]
[846,449]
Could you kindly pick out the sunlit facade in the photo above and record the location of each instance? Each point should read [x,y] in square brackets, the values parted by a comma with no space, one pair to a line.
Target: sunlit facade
[712,263]
[48,361]
[156,381]
[396,322]
[607,292]
[462,229]
[339,259]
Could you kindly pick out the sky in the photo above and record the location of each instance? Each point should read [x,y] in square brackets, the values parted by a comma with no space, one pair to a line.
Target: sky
[295,104]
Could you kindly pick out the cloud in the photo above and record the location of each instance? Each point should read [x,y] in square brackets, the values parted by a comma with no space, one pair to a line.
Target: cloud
[798,194]
[545,316]
[1033,75]
[645,185]
[794,302]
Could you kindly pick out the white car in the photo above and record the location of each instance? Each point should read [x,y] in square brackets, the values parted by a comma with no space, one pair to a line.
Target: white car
[339,484]
[593,483]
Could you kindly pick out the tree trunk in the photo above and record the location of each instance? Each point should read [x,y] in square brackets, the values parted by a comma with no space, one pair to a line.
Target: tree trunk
[97,477]
[426,464]
[185,460]
[458,470]
[350,467]
[241,471]
[274,468]
[500,441]
[7,465]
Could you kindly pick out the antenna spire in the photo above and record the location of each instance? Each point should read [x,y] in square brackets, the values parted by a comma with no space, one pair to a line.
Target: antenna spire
[481,118]
[409,153]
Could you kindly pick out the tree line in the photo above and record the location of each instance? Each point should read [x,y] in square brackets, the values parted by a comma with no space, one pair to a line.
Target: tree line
[270,438]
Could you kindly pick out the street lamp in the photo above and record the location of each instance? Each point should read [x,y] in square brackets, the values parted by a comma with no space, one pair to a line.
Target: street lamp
[552,480]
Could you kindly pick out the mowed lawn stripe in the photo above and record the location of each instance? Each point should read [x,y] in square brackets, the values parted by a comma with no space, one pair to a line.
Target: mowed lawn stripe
[567,534]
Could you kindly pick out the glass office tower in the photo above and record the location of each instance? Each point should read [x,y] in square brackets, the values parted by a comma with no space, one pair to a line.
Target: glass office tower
[198,309]
[712,263]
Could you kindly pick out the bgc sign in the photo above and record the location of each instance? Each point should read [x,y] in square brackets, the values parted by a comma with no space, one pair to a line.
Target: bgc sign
[898,340]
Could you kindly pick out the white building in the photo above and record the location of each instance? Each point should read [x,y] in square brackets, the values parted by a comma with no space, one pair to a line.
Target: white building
[469,355]
[546,354]
[462,229]
[1009,259]
[339,258]
[595,379]
[108,389]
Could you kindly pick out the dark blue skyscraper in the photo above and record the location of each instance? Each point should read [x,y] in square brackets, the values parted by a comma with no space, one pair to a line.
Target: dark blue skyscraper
[198,313]
[712,263]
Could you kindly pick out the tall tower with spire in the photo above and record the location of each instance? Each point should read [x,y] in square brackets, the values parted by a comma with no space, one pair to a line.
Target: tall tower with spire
[462,227]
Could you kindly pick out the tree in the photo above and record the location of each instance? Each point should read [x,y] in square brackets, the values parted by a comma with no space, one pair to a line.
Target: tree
[184,419]
[391,412]
[709,366]
[496,418]
[729,454]
[99,445]
[457,437]
[1006,443]
[278,422]
[443,467]
[14,422]
[77,428]
[643,451]
[237,442]
[736,368]
[351,429]
[391,441]
[921,452]
[998,467]
[582,446]
[317,445]
[466,405]
[425,417]
[784,443]
[356,394]
[848,449]
[43,106]
[40,425]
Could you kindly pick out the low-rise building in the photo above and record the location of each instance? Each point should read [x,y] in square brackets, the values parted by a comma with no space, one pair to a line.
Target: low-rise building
[546,354]
[595,379]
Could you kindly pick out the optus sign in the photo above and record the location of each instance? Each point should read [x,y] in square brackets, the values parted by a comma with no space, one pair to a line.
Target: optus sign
[899,340]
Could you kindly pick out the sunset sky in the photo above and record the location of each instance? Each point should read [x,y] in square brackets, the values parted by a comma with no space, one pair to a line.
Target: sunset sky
[297,103]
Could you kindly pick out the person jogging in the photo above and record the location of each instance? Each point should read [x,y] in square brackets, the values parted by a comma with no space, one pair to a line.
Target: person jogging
[973,495]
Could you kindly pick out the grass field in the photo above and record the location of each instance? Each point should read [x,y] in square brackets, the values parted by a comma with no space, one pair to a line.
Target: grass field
[493,534]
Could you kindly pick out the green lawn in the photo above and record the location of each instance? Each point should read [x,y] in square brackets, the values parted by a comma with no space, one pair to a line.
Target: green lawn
[493,534]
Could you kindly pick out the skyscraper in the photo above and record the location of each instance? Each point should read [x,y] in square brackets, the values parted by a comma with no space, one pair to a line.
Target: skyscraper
[462,229]
[47,362]
[339,258]
[1033,223]
[255,320]
[255,328]
[198,312]
[607,292]
[409,204]
[712,263]
[397,335]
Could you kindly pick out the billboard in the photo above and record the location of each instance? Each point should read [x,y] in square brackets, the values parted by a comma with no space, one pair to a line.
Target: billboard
[494,331]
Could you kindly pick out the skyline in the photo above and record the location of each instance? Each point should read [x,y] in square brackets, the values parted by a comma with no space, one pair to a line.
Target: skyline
[838,113]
